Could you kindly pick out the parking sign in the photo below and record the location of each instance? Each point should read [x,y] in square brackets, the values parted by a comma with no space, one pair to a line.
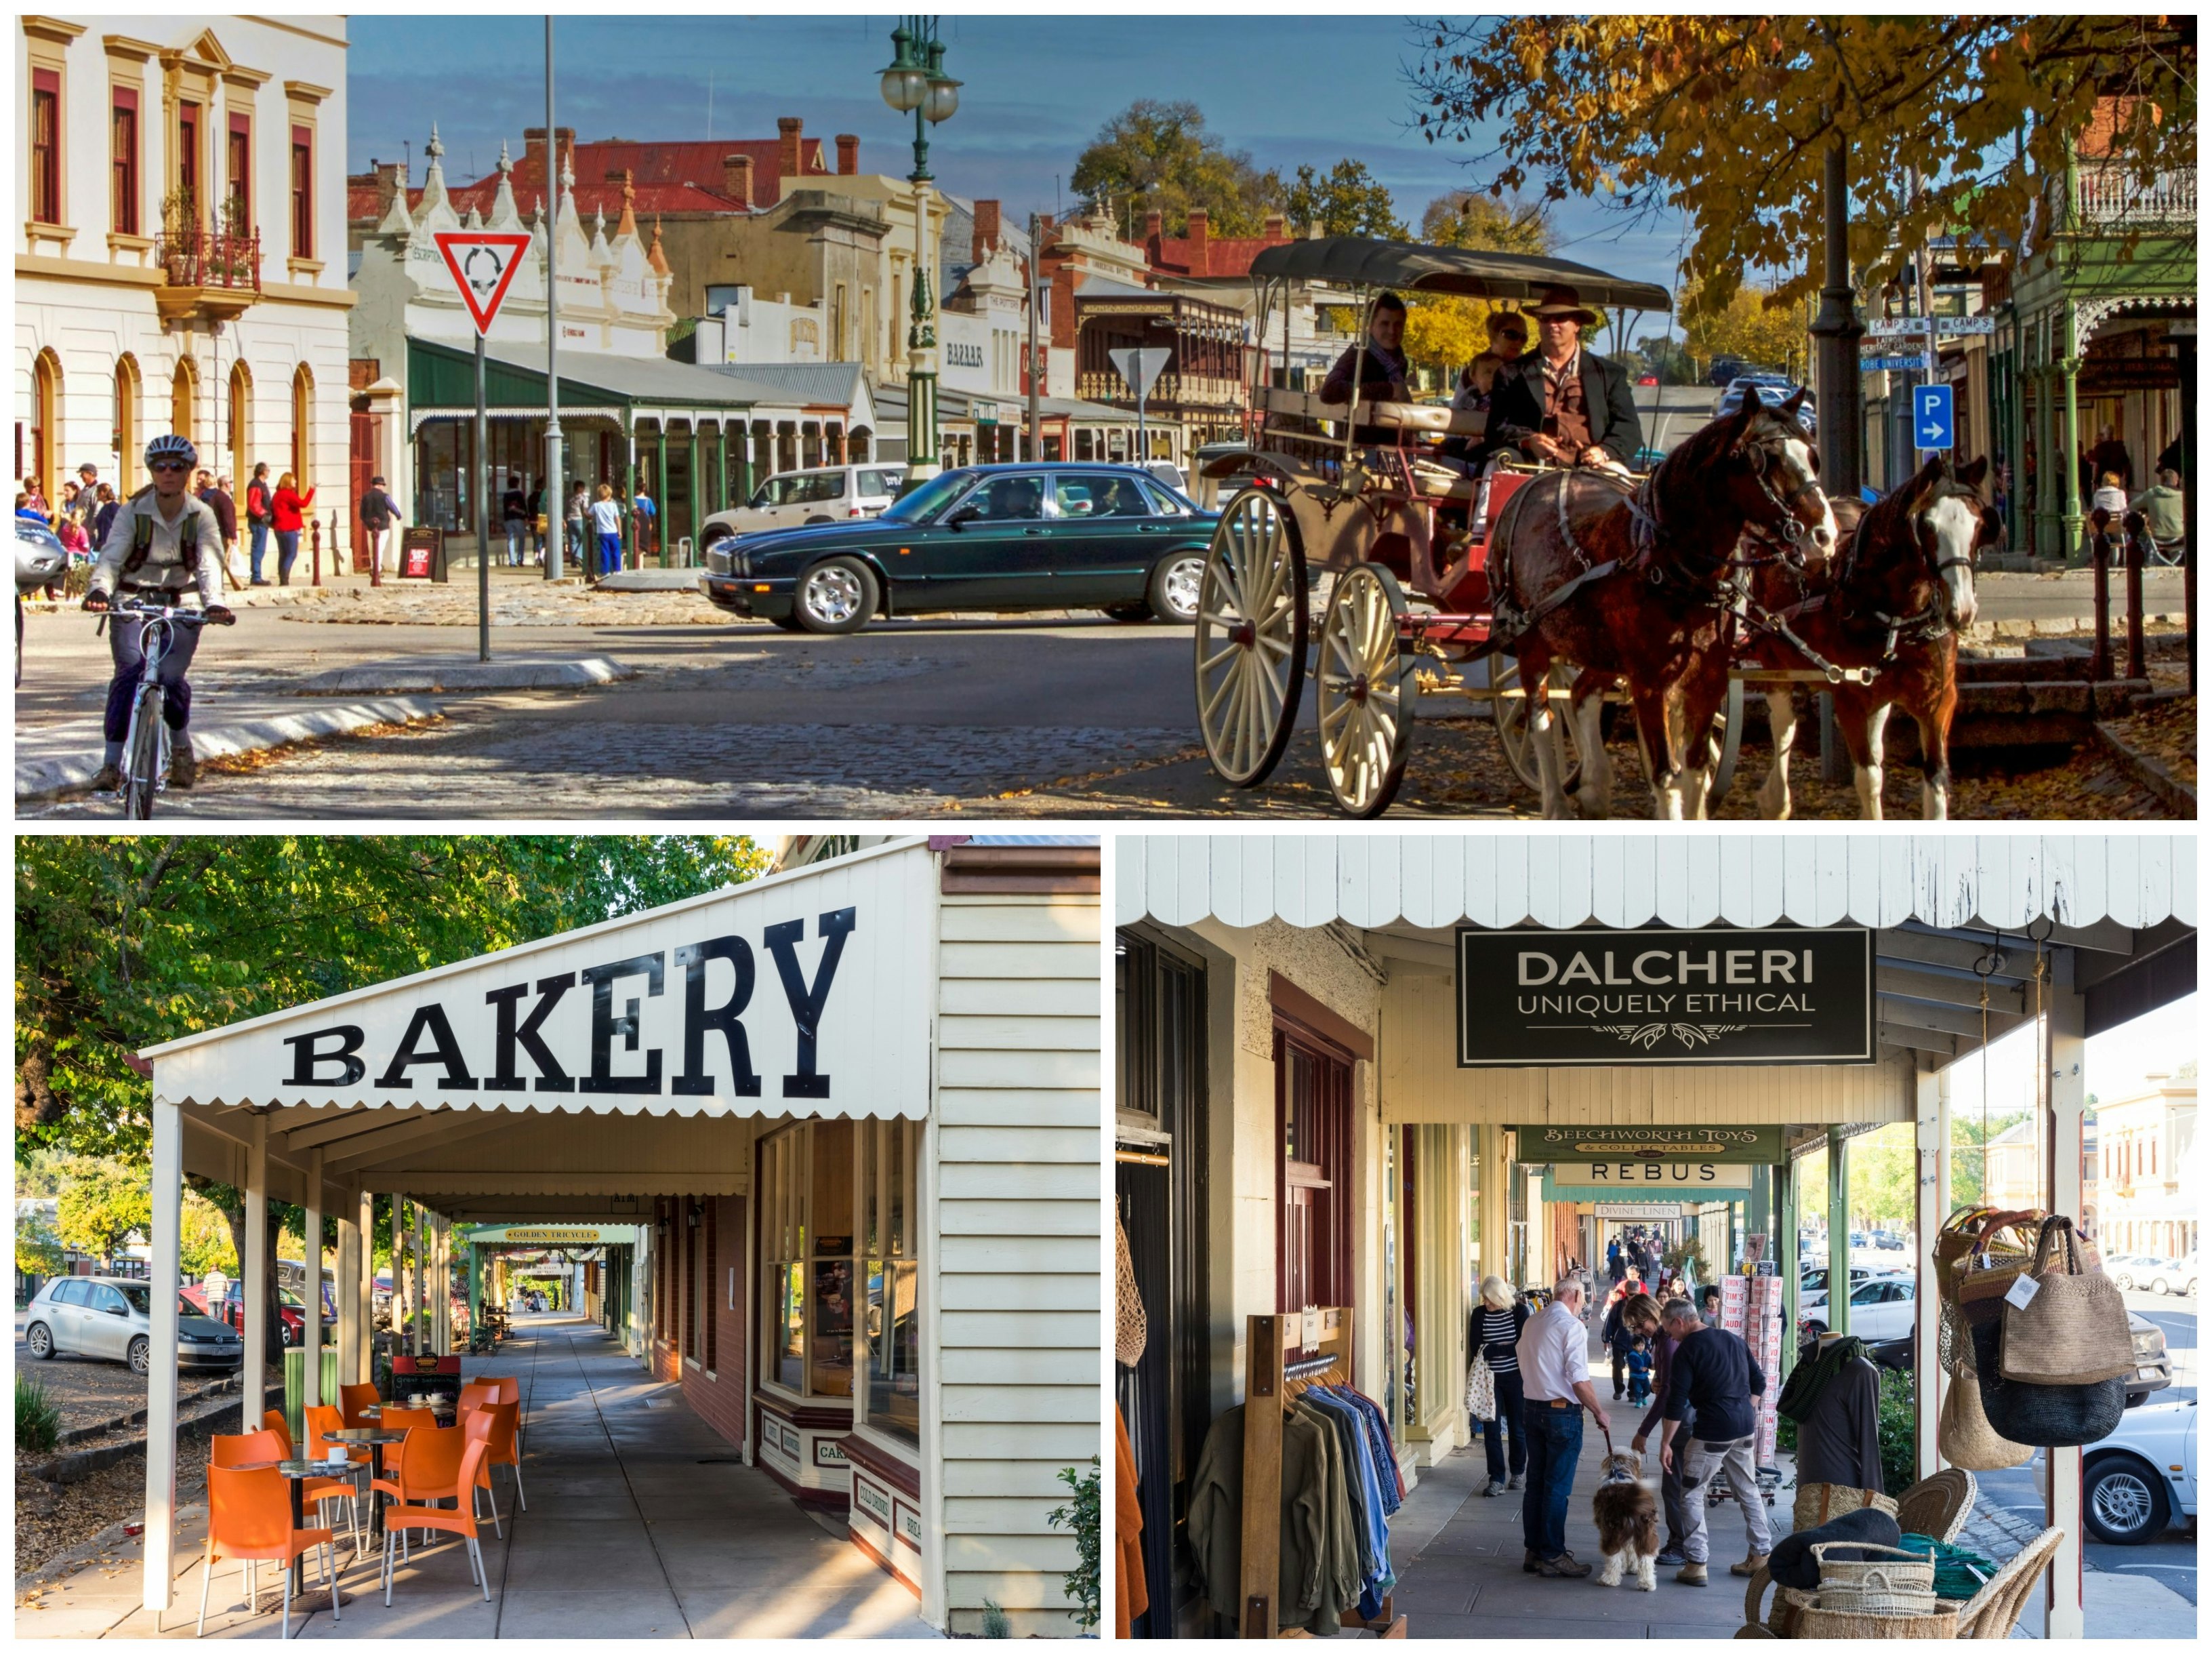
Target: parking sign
[1931,417]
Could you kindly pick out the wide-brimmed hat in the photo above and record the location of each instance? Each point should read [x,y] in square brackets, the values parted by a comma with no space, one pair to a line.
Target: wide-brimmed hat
[1565,301]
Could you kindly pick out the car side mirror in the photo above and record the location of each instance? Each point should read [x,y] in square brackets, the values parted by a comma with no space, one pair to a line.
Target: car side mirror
[118,1309]
[967,514]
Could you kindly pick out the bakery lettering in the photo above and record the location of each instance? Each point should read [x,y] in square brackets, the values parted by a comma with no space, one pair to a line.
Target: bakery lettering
[716,1002]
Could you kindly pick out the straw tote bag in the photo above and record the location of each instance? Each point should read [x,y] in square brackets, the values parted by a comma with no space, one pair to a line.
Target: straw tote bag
[1129,1327]
[2075,1329]
[1966,1437]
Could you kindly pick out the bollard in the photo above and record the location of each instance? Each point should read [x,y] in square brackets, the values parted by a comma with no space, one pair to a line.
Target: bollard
[2100,564]
[315,542]
[2131,548]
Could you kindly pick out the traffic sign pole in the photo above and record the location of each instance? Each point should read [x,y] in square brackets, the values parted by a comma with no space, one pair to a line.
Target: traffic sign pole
[483,519]
[483,265]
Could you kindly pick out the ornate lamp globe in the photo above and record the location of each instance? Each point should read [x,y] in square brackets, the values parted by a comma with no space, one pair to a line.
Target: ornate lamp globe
[905,84]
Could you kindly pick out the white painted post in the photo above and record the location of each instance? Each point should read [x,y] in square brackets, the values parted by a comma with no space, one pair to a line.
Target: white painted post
[398,1279]
[363,1370]
[311,1309]
[253,1291]
[2063,1052]
[161,1382]
[414,1299]
[1931,1205]
[341,1280]
[441,1292]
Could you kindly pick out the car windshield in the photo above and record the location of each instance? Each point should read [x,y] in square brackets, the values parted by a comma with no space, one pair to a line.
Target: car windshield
[928,498]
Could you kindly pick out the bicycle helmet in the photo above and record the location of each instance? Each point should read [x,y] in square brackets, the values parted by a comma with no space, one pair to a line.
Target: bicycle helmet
[172,447]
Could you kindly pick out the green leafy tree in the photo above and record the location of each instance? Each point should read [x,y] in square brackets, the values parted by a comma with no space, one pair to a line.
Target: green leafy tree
[205,1242]
[1885,1170]
[39,1249]
[1346,200]
[1158,156]
[102,1205]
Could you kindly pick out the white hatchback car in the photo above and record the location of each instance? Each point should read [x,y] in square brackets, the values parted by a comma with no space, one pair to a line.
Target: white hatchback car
[792,499]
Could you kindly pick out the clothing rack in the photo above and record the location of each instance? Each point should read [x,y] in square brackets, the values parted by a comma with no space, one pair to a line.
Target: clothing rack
[1279,1349]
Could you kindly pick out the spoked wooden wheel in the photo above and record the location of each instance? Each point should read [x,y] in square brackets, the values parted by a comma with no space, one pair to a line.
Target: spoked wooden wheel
[1360,688]
[1251,645]
[1728,741]
[1512,715]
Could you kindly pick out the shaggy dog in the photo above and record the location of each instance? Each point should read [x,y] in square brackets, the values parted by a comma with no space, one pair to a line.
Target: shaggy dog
[1627,1521]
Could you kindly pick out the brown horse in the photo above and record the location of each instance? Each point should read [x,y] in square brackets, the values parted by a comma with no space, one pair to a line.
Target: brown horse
[1660,620]
[1895,599]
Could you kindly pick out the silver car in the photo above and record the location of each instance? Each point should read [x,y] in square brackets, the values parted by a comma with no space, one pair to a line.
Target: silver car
[110,1316]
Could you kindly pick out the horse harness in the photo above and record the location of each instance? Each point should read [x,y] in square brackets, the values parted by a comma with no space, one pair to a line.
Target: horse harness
[1926,625]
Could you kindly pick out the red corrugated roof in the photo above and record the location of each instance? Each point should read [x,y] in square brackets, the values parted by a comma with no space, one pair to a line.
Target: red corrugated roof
[1225,255]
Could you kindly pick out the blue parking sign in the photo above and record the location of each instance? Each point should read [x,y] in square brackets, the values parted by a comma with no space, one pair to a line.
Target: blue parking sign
[1931,417]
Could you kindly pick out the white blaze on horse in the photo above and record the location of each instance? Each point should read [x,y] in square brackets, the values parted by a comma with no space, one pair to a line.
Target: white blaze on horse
[1894,601]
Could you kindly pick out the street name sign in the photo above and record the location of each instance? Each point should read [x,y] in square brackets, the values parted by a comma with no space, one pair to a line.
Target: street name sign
[483,263]
[1894,365]
[1949,327]
[1539,999]
[1931,417]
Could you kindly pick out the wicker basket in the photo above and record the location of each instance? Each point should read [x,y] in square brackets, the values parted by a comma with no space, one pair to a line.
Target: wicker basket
[1898,1583]
[1822,1624]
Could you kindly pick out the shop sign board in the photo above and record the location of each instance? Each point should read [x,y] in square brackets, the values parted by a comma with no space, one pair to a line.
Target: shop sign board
[567,1235]
[1684,1178]
[1546,999]
[1590,1145]
[1636,1213]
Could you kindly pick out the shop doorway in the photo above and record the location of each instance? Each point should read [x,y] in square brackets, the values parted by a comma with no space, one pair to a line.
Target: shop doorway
[1313,1178]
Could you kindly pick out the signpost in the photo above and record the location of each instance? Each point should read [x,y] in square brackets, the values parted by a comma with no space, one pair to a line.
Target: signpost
[1140,368]
[1949,327]
[1892,364]
[483,263]
[1931,417]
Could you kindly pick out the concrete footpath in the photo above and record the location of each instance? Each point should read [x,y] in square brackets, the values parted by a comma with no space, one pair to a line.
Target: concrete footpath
[642,1524]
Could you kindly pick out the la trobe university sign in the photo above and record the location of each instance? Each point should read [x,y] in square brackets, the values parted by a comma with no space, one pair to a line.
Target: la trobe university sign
[1531,999]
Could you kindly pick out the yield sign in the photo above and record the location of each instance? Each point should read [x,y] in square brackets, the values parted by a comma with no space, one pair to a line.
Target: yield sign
[482,265]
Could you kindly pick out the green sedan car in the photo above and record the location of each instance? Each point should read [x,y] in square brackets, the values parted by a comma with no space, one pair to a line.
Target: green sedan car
[983,539]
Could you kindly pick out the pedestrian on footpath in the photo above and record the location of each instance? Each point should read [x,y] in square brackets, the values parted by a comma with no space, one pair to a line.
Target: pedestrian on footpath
[647,523]
[379,513]
[1643,1314]
[1613,1334]
[514,515]
[87,493]
[1493,1336]
[1554,1357]
[1710,1382]
[216,496]
[288,509]
[537,517]
[577,513]
[103,514]
[260,500]
[606,522]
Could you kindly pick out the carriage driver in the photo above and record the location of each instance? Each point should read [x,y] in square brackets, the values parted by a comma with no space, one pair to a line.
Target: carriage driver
[1561,404]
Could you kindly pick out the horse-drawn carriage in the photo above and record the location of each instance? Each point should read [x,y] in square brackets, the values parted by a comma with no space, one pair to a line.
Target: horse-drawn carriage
[1422,578]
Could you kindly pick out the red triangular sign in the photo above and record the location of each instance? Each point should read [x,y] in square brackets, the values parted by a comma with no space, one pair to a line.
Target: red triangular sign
[482,265]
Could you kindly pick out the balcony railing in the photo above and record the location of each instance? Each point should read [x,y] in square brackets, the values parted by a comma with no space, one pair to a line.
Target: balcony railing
[197,256]
[2111,198]
[1169,390]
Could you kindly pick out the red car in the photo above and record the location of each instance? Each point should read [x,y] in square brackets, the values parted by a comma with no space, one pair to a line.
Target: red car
[292,1321]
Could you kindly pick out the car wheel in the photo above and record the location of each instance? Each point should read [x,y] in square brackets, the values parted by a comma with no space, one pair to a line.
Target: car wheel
[788,622]
[708,541]
[1130,612]
[811,521]
[2123,1503]
[38,1340]
[2124,1280]
[2158,1285]
[835,596]
[141,1356]
[1172,592]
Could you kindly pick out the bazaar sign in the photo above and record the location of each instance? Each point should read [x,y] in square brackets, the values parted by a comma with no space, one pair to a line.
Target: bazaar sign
[1535,998]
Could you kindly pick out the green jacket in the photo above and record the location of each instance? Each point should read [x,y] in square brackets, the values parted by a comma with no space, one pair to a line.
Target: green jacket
[1319,1548]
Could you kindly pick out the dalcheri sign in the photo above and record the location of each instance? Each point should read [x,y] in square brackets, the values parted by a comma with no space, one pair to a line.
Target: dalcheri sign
[1642,1156]
[1531,999]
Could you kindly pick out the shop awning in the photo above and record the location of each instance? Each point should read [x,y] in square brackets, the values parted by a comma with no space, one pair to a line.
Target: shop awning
[1678,878]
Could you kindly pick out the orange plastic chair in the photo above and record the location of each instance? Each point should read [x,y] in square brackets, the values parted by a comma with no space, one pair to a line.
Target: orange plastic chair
[354,1397]
[476,1393]
[320,1421]
[428,1460]
[461,1519]
[398,1418]
[274,1419]
[502,1446]
[255,1447]
[477,1426]
[249,1520]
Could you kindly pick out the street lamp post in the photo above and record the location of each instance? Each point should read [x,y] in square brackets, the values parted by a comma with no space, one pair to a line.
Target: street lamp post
[916,84]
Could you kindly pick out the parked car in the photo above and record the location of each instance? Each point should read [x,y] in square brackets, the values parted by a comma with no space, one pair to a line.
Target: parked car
[1773,389]
[2131,1269]
[40,560]
[791,499]
[111,1316]
[2169,1276]
[290,1315]
[2141,1479]
[1881,1307]
[1725,370]
[1886,1242]
[997,538]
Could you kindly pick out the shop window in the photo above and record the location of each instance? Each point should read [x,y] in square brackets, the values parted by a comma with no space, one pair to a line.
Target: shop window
[122,128]
[1313,1117]
[807,1241]
[303,193]
[188,158]
[888,1221]
[46,146]
[237,175]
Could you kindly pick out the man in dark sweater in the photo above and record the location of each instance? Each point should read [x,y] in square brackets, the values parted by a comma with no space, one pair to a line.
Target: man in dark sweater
[1643,1314]
[1710,1382]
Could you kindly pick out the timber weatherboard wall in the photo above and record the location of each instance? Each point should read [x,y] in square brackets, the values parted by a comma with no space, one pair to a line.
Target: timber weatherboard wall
[1016,1182]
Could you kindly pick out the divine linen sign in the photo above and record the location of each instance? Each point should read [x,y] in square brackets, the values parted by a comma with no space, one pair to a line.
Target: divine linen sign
[1531,999]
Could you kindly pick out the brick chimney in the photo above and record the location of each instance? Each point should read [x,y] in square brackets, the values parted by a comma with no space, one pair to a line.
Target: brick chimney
[1197,233]
[848,153]
[1275,229]
[533,170]
[789,149]
[390,179]
[738,178]
[1152,231]
[986,229]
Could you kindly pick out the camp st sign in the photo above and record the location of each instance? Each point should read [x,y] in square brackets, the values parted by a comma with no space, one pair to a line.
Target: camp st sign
[1664,998]
[806,995]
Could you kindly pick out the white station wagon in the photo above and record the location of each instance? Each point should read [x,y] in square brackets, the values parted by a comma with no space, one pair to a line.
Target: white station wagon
[792,499]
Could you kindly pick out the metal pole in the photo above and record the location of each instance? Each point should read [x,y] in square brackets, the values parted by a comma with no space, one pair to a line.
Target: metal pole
[481,481]
[555,502]
[1035,439]
[1837,329]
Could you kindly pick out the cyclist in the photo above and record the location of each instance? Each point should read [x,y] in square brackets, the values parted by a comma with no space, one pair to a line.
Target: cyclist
[167,546]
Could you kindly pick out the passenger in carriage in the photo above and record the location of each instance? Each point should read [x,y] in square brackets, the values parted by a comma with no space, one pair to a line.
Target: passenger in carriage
[1508,332]
[1562,404]
[1381,367]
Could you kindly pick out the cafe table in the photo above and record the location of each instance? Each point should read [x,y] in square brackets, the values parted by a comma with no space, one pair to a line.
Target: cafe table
[377,1439]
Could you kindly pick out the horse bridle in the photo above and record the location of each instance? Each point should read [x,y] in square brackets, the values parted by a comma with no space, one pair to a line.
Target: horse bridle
[1931,620]
[1787,537]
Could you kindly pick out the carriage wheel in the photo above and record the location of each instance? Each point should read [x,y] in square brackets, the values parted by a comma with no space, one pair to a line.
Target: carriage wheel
[1251,644]
[1359,688]
[1511,718]
[1728,736]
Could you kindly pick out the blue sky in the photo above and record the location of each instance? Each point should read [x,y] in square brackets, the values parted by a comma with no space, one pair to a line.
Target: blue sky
[1288,89]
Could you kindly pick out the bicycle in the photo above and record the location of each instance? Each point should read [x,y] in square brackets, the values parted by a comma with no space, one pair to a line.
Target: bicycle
[146,744]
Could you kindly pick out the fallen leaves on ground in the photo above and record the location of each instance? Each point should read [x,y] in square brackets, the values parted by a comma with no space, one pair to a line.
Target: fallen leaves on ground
[2167,730]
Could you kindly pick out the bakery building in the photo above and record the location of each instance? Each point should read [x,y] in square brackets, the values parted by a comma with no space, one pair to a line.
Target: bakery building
[1356,1075]
[825,1149]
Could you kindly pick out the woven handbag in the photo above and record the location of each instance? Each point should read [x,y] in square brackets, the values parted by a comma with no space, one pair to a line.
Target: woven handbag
[1819,1502]
[2043,1415]
[1481,1391]
[1896,1582]
[2002,1252]
[1964,1435]
[2075,1329]
[1128,1303]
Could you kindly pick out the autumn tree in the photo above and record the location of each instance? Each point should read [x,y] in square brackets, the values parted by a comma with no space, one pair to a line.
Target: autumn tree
[1158,156]
[1765,330]
[1346,200]
[1960,119]
[103,1203]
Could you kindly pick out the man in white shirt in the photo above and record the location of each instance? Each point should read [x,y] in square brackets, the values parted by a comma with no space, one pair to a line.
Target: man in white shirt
[1553,1354]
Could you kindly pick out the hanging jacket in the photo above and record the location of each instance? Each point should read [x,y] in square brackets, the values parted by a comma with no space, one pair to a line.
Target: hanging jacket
[1130,1595]
[1216,1515]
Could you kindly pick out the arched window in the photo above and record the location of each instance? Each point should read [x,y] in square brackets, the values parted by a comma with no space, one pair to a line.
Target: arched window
[45,424]
[185,398]
[128,460]
[241,424]
[303,430]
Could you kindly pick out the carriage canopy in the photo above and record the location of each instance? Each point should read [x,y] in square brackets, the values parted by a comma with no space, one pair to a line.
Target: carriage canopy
[1365,261]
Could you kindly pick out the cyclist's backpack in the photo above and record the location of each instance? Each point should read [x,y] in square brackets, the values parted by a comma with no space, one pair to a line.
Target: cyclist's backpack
[142,541]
